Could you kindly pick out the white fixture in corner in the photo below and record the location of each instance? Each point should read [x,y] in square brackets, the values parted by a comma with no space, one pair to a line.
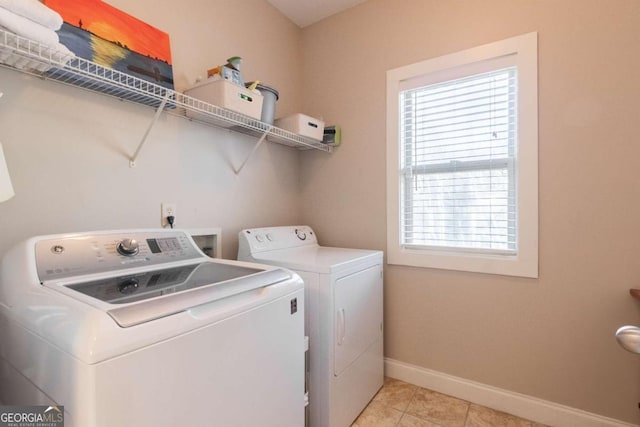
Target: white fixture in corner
[6,189]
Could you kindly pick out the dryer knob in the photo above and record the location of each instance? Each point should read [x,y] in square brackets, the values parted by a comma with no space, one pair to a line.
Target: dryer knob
[301,234]
[128,247]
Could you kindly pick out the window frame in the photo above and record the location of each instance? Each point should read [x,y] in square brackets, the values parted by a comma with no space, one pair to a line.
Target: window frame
[520,51]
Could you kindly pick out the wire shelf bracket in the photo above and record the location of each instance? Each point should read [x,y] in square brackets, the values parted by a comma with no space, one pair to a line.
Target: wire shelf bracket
[156,116]
[255,148]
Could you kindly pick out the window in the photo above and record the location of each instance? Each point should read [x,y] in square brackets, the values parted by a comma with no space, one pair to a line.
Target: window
[462,160]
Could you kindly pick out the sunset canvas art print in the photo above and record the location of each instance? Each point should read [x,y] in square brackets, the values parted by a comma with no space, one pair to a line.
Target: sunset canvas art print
[99,32]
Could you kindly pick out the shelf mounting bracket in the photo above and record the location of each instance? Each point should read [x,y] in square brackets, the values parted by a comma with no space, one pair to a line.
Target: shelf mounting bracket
[156,116]
[255,148]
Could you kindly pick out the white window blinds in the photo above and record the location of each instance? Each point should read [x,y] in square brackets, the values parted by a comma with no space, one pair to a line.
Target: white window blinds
[458,164]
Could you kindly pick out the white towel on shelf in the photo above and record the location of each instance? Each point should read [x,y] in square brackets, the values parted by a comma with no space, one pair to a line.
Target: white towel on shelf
[35,11]
[57,56]
[27,28]
[60,55]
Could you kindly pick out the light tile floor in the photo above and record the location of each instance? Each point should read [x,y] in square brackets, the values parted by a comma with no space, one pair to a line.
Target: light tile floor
[406,405]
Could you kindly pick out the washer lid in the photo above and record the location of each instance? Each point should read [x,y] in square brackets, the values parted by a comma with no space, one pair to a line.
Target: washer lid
[317,259]
[133,299]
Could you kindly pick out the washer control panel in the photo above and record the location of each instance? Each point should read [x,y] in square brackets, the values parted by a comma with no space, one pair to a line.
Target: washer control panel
[273,238]
[79,254]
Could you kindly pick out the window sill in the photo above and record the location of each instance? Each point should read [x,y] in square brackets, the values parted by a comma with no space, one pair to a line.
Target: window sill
[521,265]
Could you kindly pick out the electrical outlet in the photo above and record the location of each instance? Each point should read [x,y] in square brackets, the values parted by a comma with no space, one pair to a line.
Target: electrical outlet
[167,209]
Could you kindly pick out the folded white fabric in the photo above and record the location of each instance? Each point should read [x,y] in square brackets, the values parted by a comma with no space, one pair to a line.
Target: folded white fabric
[61,54]
[27,28]
[35,11]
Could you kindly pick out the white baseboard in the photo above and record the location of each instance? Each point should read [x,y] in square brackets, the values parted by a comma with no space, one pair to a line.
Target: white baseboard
[521,405]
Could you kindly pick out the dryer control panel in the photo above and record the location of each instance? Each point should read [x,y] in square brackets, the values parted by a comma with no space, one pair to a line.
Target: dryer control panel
[255,240]
[75,255]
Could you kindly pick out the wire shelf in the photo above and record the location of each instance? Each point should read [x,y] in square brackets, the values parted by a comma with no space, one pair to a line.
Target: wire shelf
[27,56]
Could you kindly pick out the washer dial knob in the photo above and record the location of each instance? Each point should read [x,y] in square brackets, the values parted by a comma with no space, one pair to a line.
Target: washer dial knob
[128,247]
[128,286]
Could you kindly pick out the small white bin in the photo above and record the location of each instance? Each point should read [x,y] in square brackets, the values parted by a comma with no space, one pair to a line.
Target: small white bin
[228,95]
[302,125]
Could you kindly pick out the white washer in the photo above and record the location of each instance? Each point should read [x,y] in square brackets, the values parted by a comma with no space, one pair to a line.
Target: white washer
[140,328]
[343,297]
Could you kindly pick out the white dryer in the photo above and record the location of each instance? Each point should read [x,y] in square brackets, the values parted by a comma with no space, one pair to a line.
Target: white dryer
[343,317]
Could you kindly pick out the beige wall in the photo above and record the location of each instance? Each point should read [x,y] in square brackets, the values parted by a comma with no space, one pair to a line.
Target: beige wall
[553,337]
[68,149]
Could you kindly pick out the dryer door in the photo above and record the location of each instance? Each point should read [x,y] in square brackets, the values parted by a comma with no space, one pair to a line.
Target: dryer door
[358,315]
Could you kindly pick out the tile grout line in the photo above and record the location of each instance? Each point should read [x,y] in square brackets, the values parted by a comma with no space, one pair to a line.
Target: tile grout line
[404,411]
[466,415]
[413,395]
